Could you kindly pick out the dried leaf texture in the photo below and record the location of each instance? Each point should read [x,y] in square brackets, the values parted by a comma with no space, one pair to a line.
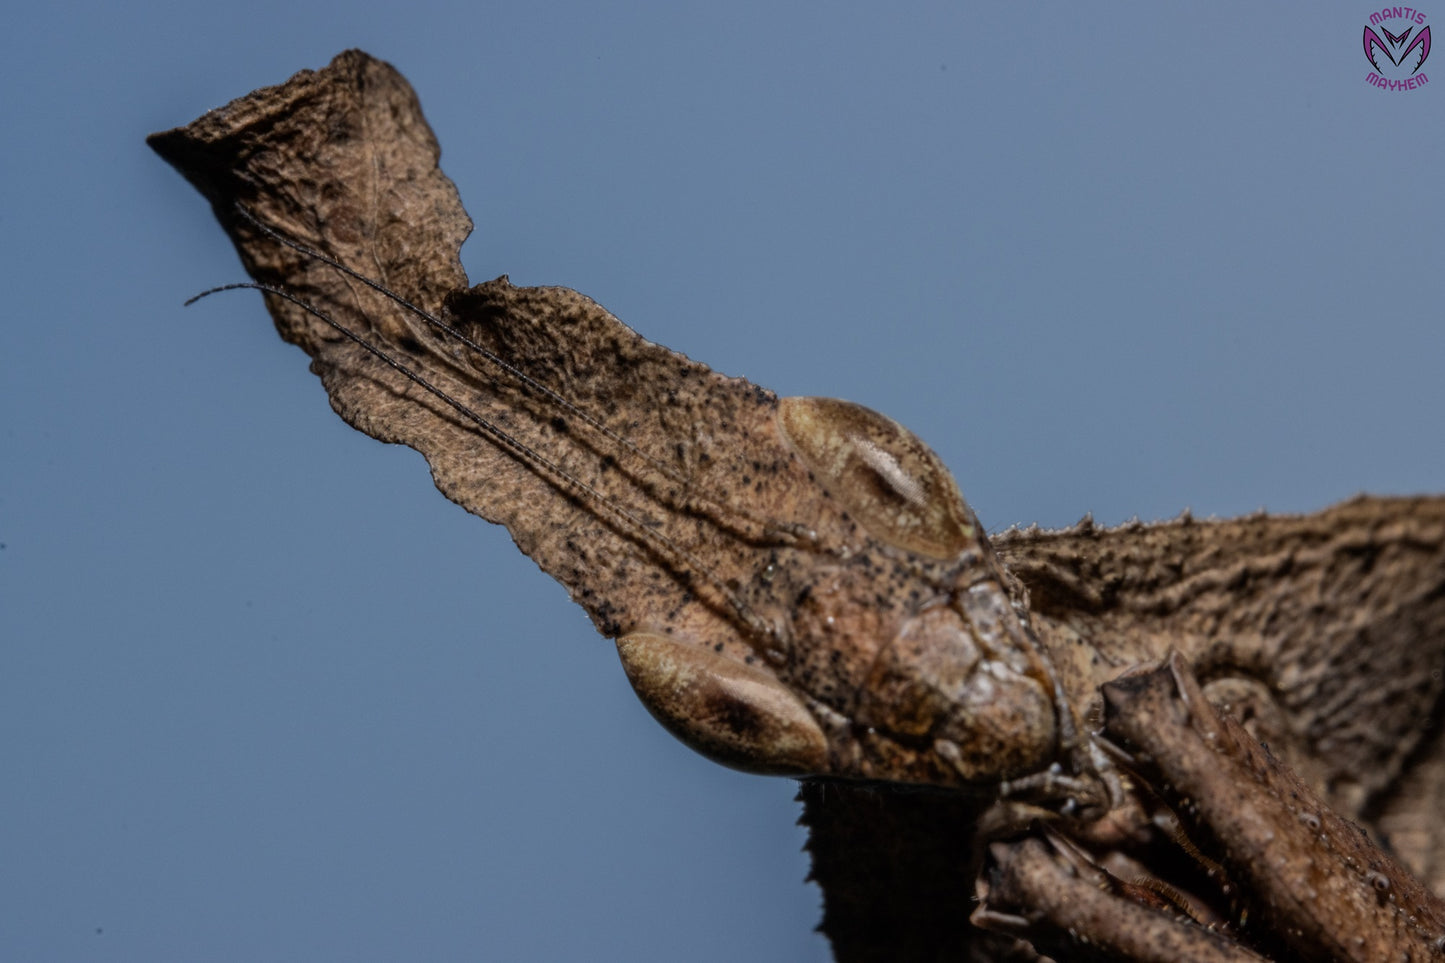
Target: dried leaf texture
[616,491]
[1326,632]
[342,159]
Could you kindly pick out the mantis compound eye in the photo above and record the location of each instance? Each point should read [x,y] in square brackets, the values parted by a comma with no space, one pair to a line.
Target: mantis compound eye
[735,714]
[886,477]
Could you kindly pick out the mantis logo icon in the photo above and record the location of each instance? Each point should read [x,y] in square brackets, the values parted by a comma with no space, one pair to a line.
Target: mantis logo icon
[1392,42]
[1396,59]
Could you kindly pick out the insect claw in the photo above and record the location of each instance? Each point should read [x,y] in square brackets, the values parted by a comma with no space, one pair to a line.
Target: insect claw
[1115,752]
[1008,924]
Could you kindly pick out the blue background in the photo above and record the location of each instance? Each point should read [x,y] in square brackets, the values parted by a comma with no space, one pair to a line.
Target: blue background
[266,695]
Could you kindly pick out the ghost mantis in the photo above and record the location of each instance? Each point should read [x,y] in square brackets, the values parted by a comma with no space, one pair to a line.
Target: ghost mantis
[797,587]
